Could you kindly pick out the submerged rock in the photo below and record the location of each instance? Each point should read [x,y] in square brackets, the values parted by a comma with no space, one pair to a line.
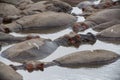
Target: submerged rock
[7,73]
[45,22]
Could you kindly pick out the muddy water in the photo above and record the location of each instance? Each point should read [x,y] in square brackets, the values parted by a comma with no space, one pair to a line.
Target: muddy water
[107,72]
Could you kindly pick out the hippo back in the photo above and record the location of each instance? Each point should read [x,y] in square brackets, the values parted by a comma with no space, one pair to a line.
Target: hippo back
[87,58]
[7,73]
[104,16]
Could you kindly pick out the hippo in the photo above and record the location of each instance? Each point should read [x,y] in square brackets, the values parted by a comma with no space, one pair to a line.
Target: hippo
[85,4]
[7,73]
[107,5]
[1,20]
[110,35]
[6,39]
[21,4]
[9,13]
[81,59]
[106,1]
[96,19]
[46,22]
[90,7]
[105,25]
[36,49]
[8,10]
[71,2]
[43,6]
[87,58]
[75,2]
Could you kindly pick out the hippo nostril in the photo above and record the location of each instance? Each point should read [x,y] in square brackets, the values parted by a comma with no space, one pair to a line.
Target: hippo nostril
[77,37]
[71,40]
[40,67]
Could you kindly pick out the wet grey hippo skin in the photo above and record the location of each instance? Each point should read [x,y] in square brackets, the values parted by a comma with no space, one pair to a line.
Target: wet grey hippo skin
[71,2]
[88,7]
[21,4]
[6,39]
[43,6]
[96,19]
[8,10]
[45,22]
[36,49]
[110,35]
[88,59]
[85,4]
[105,25]
[7,73]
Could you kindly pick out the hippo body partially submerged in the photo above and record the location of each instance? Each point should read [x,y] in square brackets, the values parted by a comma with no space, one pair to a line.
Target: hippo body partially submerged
[6,39]
[34,49]
[45,22]
[98,19]
[110,35]
[7,73]
[87,58]
[21,4]
[8,10]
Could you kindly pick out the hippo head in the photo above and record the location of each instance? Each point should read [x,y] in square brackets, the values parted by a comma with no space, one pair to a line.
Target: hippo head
[79,26]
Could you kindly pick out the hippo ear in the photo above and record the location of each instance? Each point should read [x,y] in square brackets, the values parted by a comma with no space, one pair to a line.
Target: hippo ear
[4,29]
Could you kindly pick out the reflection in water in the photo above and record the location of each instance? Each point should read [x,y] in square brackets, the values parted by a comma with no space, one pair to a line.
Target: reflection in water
[107,72]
